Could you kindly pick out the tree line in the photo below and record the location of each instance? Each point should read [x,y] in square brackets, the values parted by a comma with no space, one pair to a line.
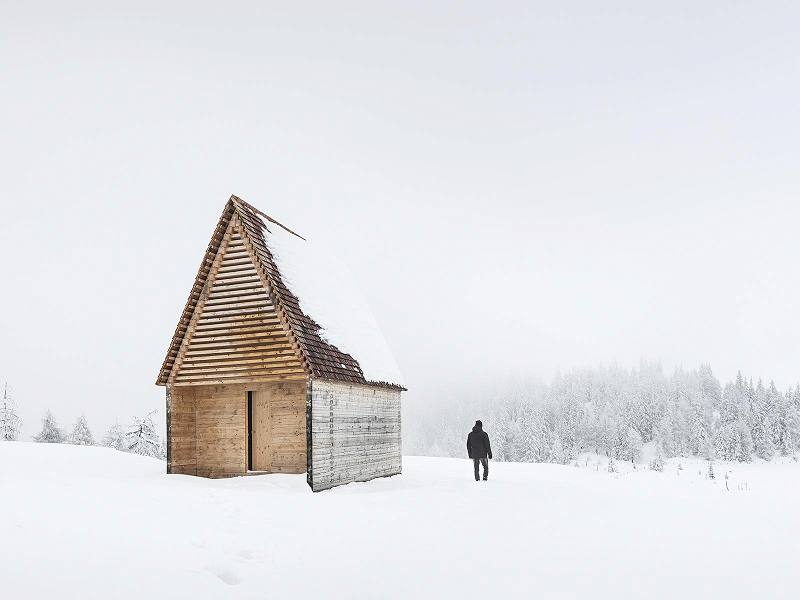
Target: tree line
[139,437]
[615,411]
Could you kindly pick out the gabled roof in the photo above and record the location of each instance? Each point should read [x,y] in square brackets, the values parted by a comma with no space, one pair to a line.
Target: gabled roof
[306,286]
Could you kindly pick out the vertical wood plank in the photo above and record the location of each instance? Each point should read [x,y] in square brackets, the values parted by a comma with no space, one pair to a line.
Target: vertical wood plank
[261,431]
[182,432]
[209,428]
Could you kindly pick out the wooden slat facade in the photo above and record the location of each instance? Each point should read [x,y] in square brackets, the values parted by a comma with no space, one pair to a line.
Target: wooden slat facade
[237,333]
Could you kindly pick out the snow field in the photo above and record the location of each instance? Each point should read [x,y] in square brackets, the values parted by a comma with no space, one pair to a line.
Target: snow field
[97,523]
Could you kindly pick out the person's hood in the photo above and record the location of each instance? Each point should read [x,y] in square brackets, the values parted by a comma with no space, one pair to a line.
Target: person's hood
[477,428]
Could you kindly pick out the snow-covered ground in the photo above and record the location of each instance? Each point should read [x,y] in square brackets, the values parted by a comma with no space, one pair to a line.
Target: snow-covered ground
[98,523]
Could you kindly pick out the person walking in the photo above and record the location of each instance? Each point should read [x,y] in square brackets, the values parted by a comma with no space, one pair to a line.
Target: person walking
[479,450]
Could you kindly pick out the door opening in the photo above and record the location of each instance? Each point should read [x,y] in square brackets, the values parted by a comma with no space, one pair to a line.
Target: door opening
[259,429]
[249,431]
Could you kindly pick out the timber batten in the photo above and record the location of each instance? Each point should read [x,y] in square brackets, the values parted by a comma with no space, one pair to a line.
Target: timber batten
[235,331]
[253,387]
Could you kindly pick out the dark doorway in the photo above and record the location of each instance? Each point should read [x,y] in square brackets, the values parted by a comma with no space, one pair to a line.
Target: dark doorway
[249,431]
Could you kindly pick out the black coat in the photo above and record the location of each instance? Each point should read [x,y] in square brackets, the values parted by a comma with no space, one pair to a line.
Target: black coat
[478,443]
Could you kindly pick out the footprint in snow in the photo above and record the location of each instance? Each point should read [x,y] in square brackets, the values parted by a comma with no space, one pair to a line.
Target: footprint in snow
[226,574]
[244,554]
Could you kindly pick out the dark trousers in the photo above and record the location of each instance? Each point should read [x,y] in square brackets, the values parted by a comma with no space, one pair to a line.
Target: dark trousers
[481,461]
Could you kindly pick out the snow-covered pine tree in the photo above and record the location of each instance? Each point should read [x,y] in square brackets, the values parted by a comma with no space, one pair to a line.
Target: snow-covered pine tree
[710,473]
[607,429]
[632,447]
[709,385]
[761,429]
[741,385]
[141,437]
[681,423]
[513,443]
[570,416]
[81,435]
[501,427]
[750,392]
[659,461]
[731,404]
[782,422]
[707,450]
[775,412]
[732,438]
[10,422]
[725,442]
[733,442]
[791,434]
[51,433]
[795,407]
[588,430]
[699,423]
[557,455]
[115,437]
[612,467]
[534,437]
[665,435]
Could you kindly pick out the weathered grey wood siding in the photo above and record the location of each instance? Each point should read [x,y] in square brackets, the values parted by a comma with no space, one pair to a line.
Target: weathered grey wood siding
[355,433]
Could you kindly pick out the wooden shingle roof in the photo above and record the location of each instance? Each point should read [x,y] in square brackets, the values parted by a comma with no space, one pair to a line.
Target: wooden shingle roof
[321,358]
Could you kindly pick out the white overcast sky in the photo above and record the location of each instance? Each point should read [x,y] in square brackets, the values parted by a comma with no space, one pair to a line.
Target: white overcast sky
[517,187]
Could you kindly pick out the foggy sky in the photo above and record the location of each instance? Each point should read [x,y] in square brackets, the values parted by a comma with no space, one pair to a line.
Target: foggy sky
[517,189]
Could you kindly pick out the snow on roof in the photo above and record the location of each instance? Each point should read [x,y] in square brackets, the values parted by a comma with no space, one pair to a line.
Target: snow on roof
[329,295]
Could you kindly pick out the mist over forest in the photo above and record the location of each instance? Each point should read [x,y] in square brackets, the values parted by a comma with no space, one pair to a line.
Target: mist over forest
[612,411]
